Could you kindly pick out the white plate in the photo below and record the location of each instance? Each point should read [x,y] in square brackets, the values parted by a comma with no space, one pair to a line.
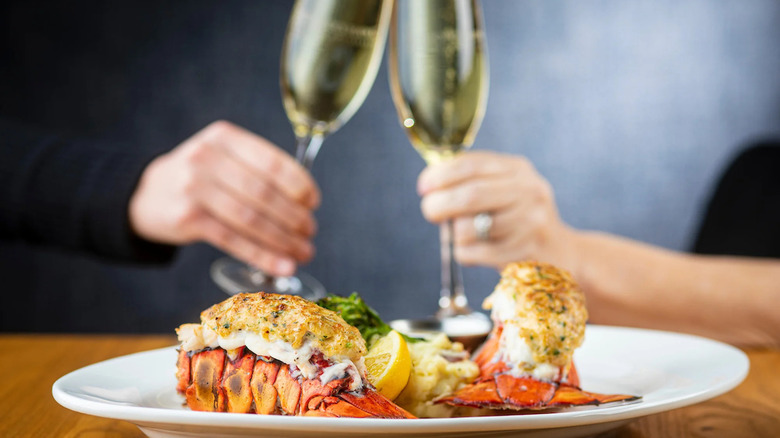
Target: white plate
[668,370]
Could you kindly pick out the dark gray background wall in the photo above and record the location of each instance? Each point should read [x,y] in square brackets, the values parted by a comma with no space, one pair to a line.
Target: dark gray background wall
[629,108]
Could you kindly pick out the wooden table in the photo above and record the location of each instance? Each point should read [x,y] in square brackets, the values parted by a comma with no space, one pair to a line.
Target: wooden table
[30,364]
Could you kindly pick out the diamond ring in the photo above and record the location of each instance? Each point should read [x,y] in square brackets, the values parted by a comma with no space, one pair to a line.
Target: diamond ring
[483,222]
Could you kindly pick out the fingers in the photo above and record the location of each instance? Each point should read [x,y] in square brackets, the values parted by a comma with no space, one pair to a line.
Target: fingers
[224,238]
[466,167]
[518,199]
[528,211]
[487,254]
[465,233]
[469,198]
[288,176]
[255,189]
[233,189]
[260,194]
[250,223]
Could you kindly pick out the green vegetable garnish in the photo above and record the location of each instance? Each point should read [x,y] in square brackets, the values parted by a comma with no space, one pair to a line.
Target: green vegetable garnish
[358,314]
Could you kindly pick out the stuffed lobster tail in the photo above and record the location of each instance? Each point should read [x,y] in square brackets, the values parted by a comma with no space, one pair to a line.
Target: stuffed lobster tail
[526,363]
[277,354]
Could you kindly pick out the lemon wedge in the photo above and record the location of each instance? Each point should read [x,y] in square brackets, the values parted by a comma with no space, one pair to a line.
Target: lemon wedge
[389,364]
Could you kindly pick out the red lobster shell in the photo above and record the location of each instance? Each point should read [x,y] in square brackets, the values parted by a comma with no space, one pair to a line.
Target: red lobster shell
[211,381]
[496,388]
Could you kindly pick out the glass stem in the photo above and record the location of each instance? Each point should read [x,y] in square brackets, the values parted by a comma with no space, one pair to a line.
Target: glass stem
[306,149]
[452,300]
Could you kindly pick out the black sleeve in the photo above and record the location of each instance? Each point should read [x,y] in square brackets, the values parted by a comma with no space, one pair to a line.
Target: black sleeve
[71,194]
[743,215]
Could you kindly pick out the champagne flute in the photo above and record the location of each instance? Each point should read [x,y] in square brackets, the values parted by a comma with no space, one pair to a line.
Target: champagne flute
[439,84]
[331,54]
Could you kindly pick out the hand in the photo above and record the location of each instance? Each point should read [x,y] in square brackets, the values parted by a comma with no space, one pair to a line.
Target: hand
[233,189]
[526,224]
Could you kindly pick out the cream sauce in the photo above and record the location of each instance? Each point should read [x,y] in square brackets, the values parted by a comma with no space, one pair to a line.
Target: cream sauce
[195,337]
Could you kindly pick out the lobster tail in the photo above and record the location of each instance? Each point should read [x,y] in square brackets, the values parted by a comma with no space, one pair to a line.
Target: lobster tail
[498,388]
[212,381]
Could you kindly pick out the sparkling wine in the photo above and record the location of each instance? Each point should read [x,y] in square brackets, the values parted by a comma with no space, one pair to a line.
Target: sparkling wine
[438,75]
[331,55]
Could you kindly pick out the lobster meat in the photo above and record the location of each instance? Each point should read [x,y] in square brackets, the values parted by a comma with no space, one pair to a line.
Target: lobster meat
[526,362]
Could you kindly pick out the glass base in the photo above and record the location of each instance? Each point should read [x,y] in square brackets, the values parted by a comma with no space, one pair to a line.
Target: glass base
[235,277]
[471,330]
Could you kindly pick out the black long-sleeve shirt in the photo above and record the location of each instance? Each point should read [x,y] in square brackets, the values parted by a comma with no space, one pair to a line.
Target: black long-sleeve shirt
[743,215]
[71,194]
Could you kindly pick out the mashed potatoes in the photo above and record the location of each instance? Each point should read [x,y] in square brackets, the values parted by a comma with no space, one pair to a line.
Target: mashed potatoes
[439,367]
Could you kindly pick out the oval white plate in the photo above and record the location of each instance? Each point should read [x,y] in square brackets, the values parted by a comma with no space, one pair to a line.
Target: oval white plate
[668,370]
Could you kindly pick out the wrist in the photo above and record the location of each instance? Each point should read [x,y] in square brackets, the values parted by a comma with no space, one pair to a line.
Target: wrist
[141,206]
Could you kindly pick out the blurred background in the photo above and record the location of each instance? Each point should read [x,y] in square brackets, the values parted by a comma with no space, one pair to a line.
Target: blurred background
[631,109]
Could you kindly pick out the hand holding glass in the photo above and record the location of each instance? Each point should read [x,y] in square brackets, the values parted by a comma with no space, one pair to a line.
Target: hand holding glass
[331,54]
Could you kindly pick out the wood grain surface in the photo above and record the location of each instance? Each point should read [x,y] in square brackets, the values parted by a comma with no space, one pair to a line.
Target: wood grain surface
[31,363]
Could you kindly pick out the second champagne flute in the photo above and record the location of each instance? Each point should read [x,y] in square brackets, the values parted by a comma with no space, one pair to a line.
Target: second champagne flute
[439,83]
[331,54]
